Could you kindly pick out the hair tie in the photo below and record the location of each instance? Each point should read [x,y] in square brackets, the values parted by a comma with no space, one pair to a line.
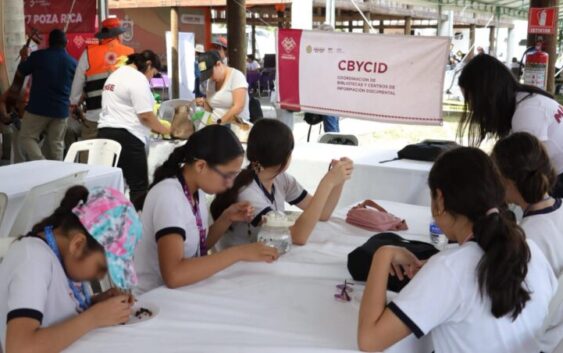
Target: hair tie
[492,211]
[257,167]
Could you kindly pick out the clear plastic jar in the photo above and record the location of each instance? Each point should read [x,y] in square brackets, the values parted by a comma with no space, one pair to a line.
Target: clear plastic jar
[275,231]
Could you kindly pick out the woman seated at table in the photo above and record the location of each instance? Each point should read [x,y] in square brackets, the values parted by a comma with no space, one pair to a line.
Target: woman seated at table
[528,177]
[266,186]
[227,89]
[176,235]
[498,105]
[127,117]
[490,294]
[43,308]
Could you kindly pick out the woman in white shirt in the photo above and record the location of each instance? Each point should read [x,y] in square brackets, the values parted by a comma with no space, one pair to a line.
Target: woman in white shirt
[128,117]
[497,105]
[528,176]
[176,234]
[489,295]
[44,306]
[227,90]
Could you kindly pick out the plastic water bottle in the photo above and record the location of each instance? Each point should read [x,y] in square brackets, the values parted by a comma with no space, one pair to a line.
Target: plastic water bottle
[437,236]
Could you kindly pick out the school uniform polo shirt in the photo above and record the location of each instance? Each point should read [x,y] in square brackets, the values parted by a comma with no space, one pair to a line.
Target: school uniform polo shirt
[166,212]
[285,189]
[545,228]
[444,299]
[33,285]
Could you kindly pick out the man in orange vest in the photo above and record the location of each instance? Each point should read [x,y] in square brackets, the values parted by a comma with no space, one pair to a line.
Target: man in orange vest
[95,65]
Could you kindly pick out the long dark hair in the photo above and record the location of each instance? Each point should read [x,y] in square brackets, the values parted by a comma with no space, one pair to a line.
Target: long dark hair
[215,144]
[64,219]
[141,59]
[489,89]
[522,158]
[270,144]
[471,186]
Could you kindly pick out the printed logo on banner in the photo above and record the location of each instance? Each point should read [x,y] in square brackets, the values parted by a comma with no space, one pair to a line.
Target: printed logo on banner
[288,44]
[309,49]
[127,25]
[78,41]
[32,3]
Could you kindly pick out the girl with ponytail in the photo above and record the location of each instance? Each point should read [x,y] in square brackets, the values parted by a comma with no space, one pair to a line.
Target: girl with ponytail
[267,187]
[490,294]
[176,235]
[528,177]
[44,307]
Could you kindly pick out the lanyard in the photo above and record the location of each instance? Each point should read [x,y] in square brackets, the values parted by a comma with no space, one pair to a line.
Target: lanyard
[195,209]
[81,295]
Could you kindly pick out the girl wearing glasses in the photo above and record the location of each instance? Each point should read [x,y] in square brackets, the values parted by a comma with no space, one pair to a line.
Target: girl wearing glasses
[490,294]
[176,234]
[267,187]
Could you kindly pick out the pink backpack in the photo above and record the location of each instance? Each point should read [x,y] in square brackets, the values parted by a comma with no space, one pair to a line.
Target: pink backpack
[369,215]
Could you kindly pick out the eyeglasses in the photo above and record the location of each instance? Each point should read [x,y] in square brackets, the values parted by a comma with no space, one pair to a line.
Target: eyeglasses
[226,176]
[344,291]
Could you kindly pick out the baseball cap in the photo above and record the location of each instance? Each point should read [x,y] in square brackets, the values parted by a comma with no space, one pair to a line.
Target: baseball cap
[110,218]
[221,41]
[206,62]
[111,27]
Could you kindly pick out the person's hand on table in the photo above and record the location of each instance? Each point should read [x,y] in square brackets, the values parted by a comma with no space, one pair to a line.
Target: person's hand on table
[257,252]
[113,311]
[403,262]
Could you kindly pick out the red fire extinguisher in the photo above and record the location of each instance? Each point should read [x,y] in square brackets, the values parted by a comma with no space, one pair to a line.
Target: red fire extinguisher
[535,69]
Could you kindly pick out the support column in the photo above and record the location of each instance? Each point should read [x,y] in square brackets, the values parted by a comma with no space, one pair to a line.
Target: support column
[102,10]
[253,39]
[492,41]
[510,45]
[549,42]
[408,25]
[471,53]
[236,34]
[366,23]
[381,27]
[174,61]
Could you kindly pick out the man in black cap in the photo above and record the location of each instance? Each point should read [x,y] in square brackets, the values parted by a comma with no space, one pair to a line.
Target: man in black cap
[48,107]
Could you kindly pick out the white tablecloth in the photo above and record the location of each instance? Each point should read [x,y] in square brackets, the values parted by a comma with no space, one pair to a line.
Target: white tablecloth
[18,179]
[287,306]
[402,180]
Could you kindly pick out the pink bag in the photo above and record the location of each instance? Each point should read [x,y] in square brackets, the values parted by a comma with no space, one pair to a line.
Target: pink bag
[369,215]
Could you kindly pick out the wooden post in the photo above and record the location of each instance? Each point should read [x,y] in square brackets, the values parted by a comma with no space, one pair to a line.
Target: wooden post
[366,23]
[350,26]
[471,53]
[408,25]
[549,42]
[236,34]
[175,66]
[381,27]
[253,39]
[281,19]
[492,41]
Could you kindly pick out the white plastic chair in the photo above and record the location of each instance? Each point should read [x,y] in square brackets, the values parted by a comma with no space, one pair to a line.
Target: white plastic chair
[42,200]
[168,108]
[100,152]
[553,323]
[339,139]
[5,243]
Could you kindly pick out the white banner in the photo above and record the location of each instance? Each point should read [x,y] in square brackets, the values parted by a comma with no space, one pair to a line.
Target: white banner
[396,79]
[186,63]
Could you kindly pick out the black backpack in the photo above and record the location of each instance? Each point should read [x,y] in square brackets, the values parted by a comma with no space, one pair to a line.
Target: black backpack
[359,260]
[427,150]
[255,109]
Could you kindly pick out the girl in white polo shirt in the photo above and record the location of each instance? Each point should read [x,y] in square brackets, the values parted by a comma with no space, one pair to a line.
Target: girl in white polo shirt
[176,235]
[43,307]
[267,187]
[498,105]
[490,294]
[528,177]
